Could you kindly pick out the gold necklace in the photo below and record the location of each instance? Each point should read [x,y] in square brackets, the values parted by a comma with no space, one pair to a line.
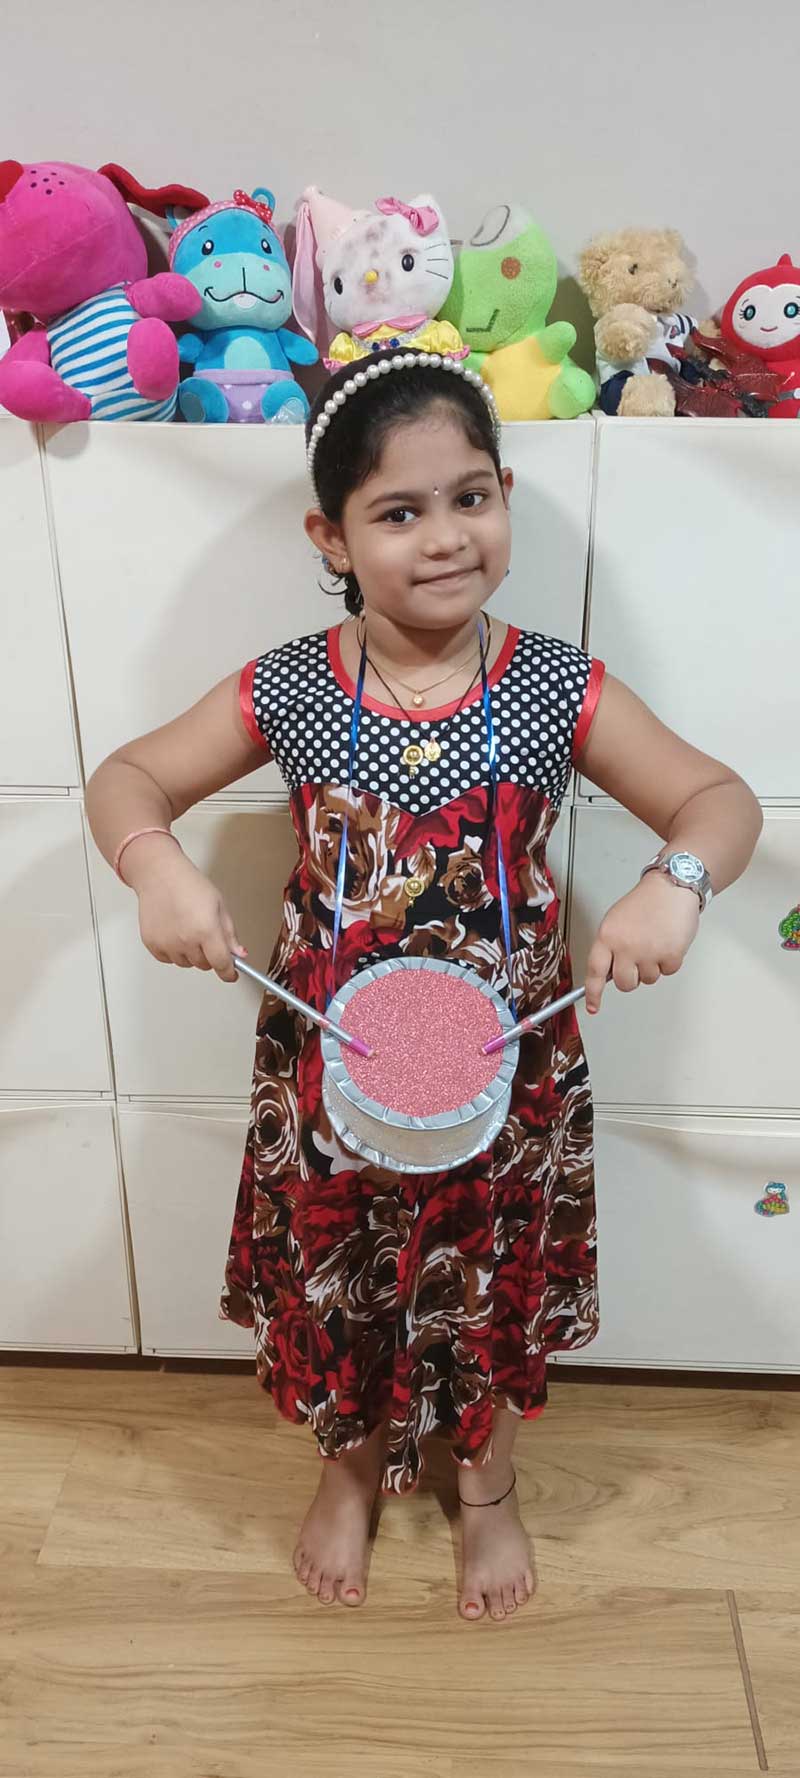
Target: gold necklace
[418,697]
[413,755]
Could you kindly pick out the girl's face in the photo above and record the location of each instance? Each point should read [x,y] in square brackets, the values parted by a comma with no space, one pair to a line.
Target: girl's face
[428,533]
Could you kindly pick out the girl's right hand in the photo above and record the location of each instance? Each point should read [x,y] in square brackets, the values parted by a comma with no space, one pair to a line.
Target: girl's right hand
[183,918]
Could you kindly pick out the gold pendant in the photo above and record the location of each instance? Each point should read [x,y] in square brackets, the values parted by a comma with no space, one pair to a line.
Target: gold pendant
[432,750]
[418,700]
[412,757]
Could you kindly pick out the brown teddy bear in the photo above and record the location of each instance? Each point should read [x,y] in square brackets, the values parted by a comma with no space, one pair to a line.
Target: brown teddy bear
[635,281]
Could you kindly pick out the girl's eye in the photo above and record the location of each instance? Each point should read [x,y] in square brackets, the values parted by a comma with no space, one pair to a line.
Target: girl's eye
[408,262]
[748,313]
[399,514]
[472,500]
[791,311]
[338,286]
[207,247]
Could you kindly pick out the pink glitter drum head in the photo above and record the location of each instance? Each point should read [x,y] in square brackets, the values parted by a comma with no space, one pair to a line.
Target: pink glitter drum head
[428,1098]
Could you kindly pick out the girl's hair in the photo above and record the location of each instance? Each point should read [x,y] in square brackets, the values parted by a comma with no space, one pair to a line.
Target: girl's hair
[351,449]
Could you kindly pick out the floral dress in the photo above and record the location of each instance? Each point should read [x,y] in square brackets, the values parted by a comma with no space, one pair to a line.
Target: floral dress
[420,1300]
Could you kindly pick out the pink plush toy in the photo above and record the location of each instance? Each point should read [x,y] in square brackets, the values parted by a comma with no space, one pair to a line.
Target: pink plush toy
[72,257]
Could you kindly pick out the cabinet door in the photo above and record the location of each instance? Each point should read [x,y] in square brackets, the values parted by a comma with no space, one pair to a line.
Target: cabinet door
[52,1032]
[182,1168]
[690,1274]
[178,1032]
[550,507]
[694,583]
[63,1271]
[725,1031]
[37,746]
[182,557]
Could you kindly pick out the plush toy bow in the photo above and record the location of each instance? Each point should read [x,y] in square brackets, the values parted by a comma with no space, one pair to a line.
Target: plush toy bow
[422,221]
[247,203]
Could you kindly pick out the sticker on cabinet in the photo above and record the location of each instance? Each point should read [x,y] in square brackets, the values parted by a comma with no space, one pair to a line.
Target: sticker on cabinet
[789,930]
[775,1201]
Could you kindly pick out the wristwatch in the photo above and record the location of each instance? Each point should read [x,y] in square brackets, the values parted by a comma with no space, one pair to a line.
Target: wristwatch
[684,870]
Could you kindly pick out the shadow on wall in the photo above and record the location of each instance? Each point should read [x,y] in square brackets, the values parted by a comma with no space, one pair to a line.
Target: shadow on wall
[570,305]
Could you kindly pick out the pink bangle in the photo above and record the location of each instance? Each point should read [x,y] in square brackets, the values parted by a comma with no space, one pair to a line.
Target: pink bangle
[138,835]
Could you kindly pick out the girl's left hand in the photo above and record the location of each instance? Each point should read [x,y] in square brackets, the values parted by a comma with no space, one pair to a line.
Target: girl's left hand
[644,936]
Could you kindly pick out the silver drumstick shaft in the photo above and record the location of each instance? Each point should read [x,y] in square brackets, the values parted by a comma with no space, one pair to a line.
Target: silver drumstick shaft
[530,1024]
[301,1006]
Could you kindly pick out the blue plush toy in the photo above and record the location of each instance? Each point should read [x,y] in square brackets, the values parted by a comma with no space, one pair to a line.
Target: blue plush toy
[240,349]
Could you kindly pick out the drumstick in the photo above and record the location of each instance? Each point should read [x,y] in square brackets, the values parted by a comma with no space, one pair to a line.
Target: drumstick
[308,1012]
[530,1024]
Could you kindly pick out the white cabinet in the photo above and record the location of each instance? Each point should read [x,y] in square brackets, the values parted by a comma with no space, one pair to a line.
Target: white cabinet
[690,1274]
[694,598]
[177,1032]
[550,507]
[37,746]
[182,556]
[724,1031]
[182,1166]
[52,1032]
[63,1271]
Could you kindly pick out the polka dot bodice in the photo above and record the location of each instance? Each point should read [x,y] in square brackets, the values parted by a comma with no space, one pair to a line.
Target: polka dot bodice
[298,700]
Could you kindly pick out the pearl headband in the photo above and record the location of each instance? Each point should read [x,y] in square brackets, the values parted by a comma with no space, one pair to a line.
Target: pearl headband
[402,361]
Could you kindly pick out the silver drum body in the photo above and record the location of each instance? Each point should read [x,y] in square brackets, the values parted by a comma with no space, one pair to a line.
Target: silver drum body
[391,1139]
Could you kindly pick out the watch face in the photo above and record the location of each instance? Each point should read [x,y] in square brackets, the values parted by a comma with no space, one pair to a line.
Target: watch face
[687,868]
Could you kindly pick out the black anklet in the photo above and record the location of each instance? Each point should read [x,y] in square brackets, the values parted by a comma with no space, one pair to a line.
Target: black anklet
[490,1502]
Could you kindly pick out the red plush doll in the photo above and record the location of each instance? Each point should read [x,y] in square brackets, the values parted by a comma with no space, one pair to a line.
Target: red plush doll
[763,318]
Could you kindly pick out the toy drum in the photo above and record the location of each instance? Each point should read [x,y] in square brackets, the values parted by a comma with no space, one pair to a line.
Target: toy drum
[427,1099]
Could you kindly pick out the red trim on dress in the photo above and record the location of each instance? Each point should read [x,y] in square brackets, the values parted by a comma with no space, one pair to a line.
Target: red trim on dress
[590,702]
[246,706]
[342,677]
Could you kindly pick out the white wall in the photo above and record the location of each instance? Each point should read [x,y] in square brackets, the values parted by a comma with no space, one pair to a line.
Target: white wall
[593,116]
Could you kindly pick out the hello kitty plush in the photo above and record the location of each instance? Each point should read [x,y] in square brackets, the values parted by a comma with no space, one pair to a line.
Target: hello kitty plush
[380,276]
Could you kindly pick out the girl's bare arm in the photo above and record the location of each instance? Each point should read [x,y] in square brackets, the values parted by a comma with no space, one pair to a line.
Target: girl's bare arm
[150,782]
[694,802]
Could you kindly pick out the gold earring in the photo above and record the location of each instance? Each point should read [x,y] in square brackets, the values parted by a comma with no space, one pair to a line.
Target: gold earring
[345,566]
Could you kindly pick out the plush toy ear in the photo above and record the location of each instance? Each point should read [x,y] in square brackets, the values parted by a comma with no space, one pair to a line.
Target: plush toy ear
[265,196]
[592,260]
[155,200]
[306,281]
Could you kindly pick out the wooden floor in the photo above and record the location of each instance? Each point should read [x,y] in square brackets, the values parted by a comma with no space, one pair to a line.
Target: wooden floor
[150,1623]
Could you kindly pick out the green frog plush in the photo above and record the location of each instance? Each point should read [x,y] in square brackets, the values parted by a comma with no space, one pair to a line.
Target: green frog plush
[505,281]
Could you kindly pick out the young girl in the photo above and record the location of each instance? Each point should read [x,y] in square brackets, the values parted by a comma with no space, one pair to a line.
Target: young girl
[387,1307]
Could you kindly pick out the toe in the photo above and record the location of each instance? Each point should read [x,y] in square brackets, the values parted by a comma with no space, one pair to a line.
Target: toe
[472,1605]
[327,1590]
[521,1591]
[495,1601]
[509,1602]
[530,1582]
[350,1591]
[312,1579]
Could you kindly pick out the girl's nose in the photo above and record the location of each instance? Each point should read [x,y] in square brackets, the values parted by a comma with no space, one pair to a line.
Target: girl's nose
[445,536]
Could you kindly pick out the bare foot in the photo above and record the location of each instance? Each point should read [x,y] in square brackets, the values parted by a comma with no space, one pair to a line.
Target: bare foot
[330,1560]
[497,1561]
